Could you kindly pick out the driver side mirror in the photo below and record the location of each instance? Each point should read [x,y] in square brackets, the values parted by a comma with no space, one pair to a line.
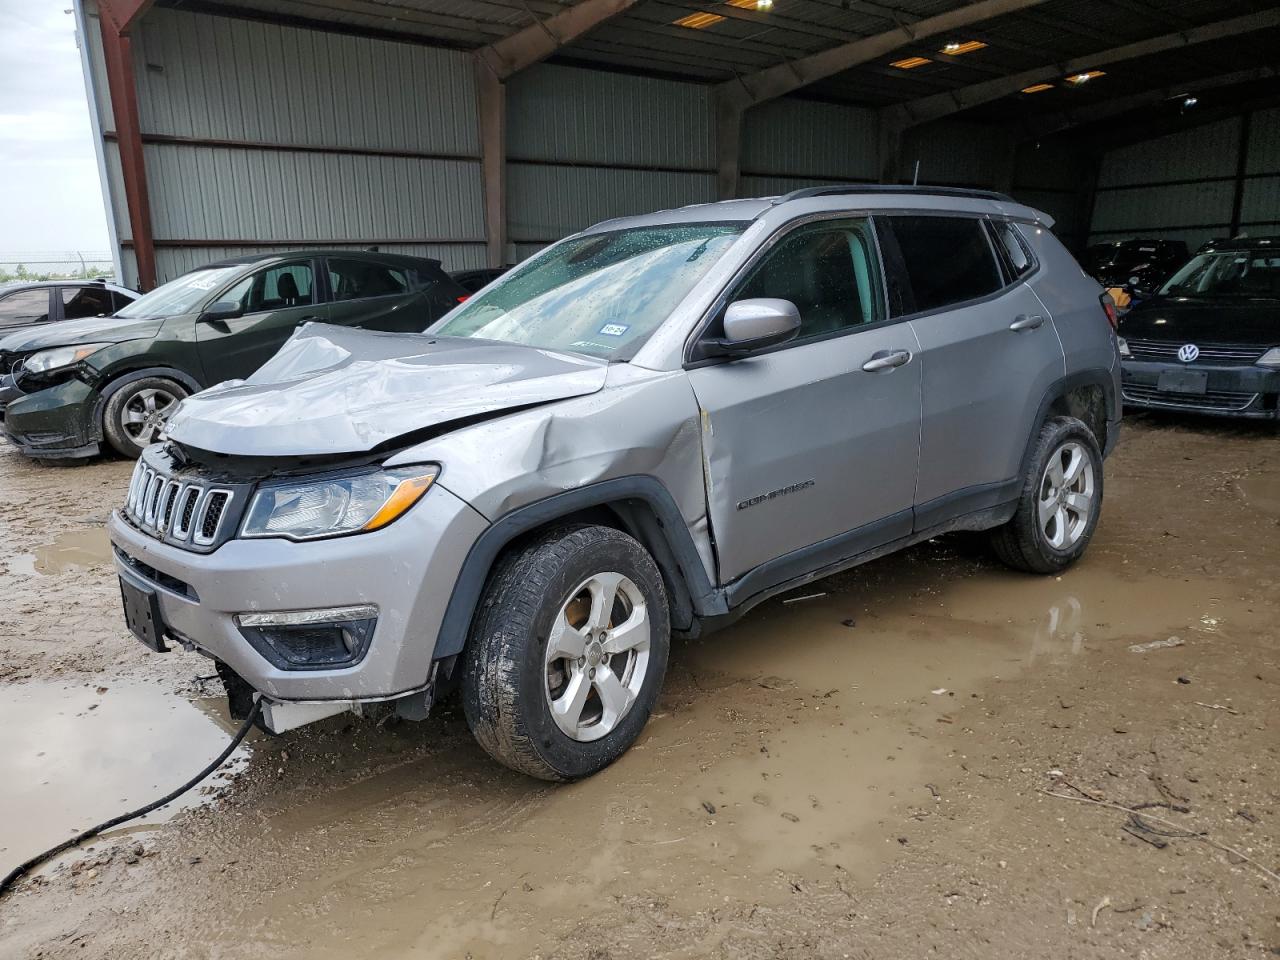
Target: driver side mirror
[751,325]
[222,310]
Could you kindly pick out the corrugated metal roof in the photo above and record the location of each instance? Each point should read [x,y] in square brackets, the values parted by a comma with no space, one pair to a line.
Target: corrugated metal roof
[645,39]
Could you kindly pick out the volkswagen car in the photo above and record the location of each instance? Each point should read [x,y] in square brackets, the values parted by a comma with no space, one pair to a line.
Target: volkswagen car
[1209,341]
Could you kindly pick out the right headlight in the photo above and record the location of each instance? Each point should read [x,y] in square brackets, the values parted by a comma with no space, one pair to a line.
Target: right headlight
[311,509]
[1270,359]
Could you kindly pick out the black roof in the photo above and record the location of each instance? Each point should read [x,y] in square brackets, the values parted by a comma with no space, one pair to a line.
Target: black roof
[372,255]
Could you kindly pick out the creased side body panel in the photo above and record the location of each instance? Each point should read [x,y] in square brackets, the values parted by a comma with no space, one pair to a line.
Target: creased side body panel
[642,423]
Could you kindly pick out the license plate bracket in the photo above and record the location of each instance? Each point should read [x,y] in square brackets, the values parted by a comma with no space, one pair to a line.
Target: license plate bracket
[1183,381]
[142,614]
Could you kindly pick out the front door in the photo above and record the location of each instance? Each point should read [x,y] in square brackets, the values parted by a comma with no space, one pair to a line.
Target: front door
[988,352]
[802,444]
[276,301]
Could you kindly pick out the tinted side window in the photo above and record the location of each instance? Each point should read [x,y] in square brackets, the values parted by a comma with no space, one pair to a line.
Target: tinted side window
[1014,249]
[25,306]
[85,302]
[280,287]
[829,272]
[947,259]
[358,279]
[119,300]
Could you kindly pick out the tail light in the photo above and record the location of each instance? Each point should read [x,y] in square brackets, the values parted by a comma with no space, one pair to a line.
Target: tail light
[464,298]
[1109,308]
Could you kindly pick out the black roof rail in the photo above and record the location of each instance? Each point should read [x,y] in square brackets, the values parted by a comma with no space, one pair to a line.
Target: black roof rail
[836,190]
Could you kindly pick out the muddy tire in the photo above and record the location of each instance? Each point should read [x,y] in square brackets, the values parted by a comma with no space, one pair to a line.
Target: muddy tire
[567,652]
[1060,502]
[134,415]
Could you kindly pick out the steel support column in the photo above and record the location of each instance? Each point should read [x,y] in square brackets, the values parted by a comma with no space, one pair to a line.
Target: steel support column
[728,118]
[118,18]
[491,100]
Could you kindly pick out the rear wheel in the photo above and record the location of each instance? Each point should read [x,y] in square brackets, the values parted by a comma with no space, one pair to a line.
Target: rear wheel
[568,652]
[135,414]
[1060,502]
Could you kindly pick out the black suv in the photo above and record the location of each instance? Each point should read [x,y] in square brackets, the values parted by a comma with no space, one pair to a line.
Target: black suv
[1209,341]
[1137,267]
[77,383]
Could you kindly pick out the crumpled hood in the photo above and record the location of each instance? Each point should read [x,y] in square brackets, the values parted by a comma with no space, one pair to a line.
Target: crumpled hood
[336,390]
[67,333]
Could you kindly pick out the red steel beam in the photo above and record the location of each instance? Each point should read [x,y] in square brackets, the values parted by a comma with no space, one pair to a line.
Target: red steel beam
[118,17]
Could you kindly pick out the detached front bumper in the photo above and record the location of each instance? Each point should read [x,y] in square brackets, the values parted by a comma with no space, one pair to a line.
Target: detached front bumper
[1229,391]
[407,570]
[55,423]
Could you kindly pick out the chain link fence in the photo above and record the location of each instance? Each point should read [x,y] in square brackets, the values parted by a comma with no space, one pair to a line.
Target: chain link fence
[54,265]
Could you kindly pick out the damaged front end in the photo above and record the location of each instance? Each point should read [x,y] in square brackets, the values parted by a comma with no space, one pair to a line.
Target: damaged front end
[268,533]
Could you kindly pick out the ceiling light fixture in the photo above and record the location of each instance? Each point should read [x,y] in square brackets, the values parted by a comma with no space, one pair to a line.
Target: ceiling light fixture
[1037,88]
[910,63]
[1085,77]
[698,21]
[957,47]
[1190,102]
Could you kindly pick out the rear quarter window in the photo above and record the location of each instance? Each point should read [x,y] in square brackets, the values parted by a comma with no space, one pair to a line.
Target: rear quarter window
[947,260]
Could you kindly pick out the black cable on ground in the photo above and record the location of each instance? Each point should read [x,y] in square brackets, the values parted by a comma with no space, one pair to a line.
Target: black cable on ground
[79,838]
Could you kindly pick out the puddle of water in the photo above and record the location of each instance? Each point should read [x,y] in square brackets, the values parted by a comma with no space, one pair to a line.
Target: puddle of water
[73,548]
[1262,491]
[71,757]
[789,746]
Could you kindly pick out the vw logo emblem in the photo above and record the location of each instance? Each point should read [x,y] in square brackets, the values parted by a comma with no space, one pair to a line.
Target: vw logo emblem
[1188,352]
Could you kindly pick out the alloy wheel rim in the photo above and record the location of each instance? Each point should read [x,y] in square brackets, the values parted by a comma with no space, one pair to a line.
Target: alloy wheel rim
[146,413]
[1066,499]
[597,656]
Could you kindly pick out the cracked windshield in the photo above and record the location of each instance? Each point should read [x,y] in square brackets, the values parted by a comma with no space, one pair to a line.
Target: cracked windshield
[602,294]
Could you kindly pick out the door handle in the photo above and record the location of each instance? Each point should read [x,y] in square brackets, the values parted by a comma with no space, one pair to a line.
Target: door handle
[883,360]
[1025,322]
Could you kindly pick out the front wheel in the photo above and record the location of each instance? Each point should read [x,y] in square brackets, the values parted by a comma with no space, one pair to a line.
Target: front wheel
[567,654]
[1060,502]
[134,415]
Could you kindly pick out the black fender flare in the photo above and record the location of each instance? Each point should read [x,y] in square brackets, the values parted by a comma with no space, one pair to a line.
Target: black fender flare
[642,503]
[1099,377]
[117,381]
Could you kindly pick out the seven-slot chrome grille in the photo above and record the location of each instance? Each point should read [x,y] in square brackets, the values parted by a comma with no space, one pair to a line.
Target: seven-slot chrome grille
[1221,354]
[183,510]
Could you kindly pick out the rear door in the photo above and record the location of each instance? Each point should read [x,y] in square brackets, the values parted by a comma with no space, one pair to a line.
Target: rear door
[809,457]
[988,352]
[90,301]
[276,301]
[388,295]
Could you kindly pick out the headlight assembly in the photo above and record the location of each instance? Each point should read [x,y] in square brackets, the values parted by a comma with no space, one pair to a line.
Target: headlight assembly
[1123,344]
[311,509]
[59,357]
[1270,359]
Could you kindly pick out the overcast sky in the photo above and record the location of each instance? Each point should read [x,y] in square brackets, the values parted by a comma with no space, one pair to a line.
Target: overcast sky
[50,199]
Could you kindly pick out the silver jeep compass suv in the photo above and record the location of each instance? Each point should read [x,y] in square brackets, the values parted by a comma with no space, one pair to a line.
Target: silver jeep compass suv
[643,431]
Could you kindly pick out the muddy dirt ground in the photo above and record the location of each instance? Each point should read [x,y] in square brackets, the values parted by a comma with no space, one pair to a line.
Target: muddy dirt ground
[897,767]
